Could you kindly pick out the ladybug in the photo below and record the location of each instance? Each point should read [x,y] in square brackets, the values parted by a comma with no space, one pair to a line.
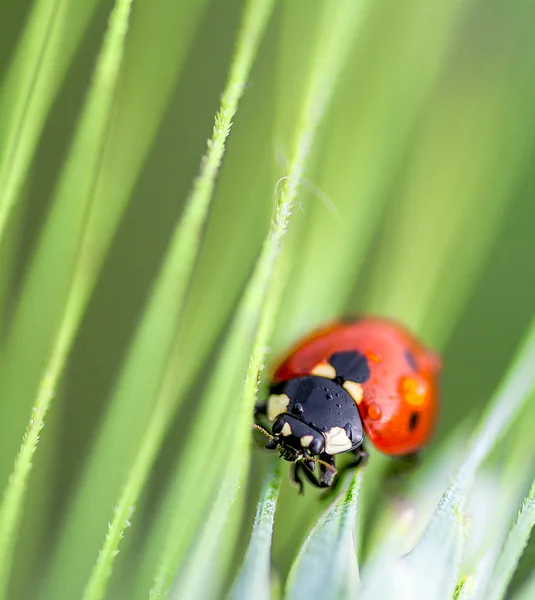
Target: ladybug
[345,383]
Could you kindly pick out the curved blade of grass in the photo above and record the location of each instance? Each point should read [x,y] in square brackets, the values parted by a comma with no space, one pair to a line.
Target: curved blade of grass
[77,182]
[170,291]
[158,42]
[208,553]
[512,551]
[402,523]
[436,558]
[141,98]
[330,54]
[429,304]
[327,565]
[254,578]
[356,171]
[213,551]
[430,571]
[44,53]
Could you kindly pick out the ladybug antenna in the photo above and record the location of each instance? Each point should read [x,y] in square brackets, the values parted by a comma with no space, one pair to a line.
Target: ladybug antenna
[322,462]
[262,430]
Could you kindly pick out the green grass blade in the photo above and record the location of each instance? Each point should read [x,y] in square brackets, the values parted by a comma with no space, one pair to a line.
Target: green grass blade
[384,60]
[436,558]
[512,394]
[77,182]
[430,570]
[512,551]
[46,49]
[158,42]
[170,292]
[32,77]
[208,552]
[326,565]
[323,77]
[254,578]
[454,217]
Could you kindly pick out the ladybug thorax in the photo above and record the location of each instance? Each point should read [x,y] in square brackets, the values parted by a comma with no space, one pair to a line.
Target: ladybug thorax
[314,415]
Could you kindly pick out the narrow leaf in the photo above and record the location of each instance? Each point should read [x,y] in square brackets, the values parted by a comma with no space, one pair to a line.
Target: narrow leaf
[254,578]
[328,59]
[208,550]
[326,566]
[430,570]
[514,547]
[158,42]
[78,183]
[44,53]
[169,296]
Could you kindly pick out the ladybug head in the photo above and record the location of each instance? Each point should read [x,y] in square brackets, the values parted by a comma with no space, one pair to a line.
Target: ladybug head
[295,440]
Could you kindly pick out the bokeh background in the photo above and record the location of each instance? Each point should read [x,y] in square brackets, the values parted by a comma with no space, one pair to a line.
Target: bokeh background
[417,203]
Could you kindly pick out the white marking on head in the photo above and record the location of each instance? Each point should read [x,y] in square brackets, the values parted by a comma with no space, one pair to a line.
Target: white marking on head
[286,429]
[277,404]
[305,440]
[355,390]
[336,441]
[324,370]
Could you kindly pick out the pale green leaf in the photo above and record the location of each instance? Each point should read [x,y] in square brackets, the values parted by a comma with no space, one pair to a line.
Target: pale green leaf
[326,566]
[512,551]
[165,307]
[254,578]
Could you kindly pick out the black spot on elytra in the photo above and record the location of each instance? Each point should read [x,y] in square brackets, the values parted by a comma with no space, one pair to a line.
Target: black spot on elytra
[409,356]
[350,366]
[413,420]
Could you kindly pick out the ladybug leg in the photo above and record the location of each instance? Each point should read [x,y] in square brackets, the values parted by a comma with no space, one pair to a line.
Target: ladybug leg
[295,478]
[297,469]
[327,476]
[361,457]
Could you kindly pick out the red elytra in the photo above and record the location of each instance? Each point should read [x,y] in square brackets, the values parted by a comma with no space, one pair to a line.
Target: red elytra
[400,399]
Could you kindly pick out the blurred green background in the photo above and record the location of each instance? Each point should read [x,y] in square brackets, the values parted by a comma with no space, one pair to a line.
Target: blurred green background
[417,203]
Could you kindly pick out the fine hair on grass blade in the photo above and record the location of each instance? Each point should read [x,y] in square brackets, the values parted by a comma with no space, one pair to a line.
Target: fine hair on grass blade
[327,565]
[329,57]
[512,551]
[178,269]
[86,154]
[254,578]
